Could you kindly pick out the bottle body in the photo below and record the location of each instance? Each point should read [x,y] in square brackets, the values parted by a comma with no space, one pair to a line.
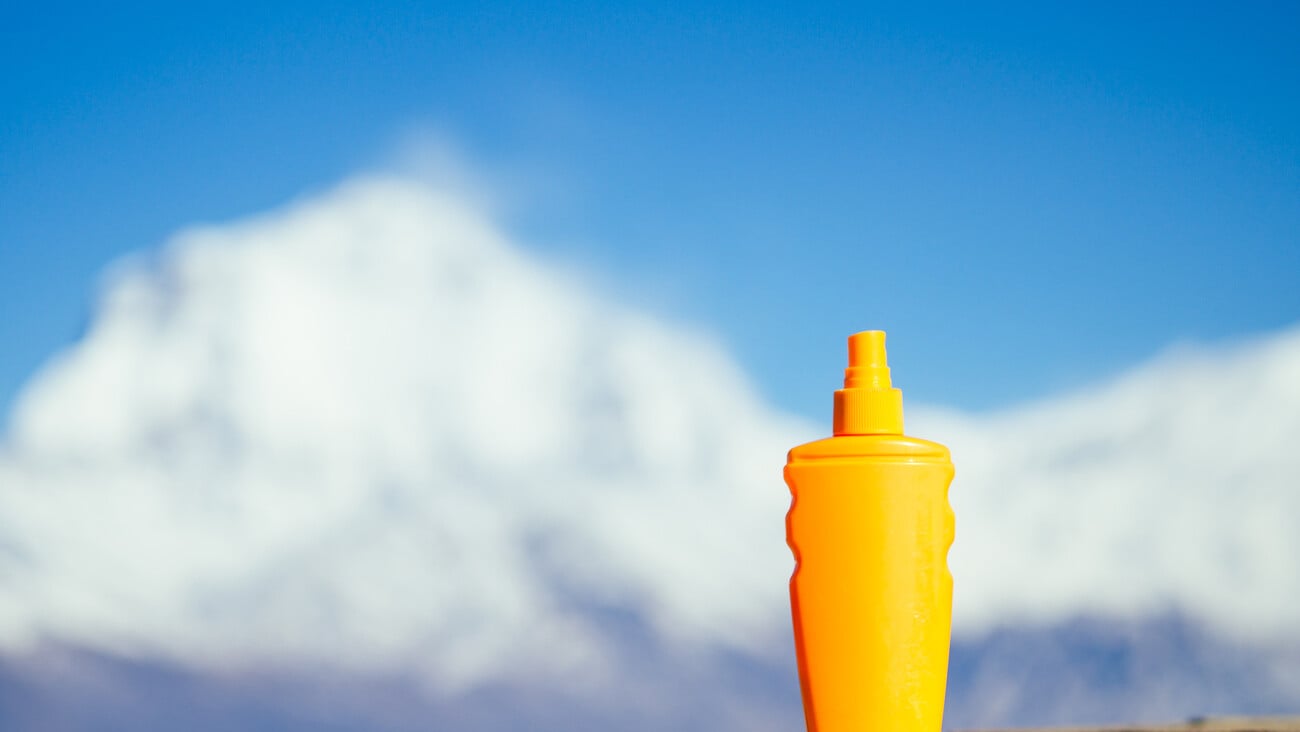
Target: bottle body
[870,527]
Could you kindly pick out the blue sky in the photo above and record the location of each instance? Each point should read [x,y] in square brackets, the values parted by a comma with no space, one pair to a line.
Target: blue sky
[1028,198]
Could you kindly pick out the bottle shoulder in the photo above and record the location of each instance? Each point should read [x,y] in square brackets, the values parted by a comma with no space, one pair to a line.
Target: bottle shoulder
[859,446]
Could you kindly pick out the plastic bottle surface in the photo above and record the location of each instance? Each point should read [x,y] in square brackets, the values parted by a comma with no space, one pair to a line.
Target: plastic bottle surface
[870,527]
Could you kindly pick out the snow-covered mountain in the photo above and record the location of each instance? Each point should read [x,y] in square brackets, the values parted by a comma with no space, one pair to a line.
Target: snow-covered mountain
[367,460]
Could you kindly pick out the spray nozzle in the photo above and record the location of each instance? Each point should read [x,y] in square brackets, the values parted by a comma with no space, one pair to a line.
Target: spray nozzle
[868,404]
[868,366]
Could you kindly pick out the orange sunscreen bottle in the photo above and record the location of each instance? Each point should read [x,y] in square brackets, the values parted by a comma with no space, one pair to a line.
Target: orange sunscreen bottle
[870,528]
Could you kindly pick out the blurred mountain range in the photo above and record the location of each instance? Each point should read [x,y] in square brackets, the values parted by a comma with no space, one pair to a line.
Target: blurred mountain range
[366,463]
[1084,672]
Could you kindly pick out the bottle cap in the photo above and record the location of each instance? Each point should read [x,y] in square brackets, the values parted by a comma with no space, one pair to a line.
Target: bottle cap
[868,404]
